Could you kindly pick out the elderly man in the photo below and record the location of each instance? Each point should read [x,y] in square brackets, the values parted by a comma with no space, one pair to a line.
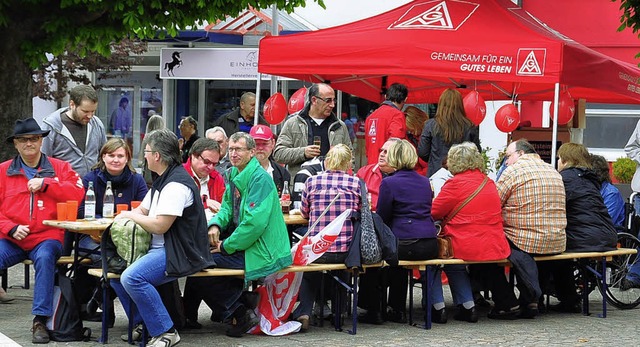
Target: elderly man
[385,122]
[533,212]
[220,136]
[295,143]
[249,219]
[172,212]
[32,184]
[240,119]
[76,135]
[263,136]
[189,132]
[203,158]
[373,174]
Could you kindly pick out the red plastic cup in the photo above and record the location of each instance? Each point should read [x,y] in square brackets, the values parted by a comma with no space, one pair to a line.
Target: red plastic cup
[72,210]
[62,210]
[135,204]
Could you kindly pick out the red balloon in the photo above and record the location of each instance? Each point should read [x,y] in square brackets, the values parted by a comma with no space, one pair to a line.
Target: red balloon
[566,110]
[474,107]
[296,101]
[507,118]
[275,109]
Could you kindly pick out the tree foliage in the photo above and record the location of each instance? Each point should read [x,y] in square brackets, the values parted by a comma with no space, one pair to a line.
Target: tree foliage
[32,28]
[630,15]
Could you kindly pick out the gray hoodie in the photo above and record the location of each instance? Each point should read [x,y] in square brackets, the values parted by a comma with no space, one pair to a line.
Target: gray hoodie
[61,145]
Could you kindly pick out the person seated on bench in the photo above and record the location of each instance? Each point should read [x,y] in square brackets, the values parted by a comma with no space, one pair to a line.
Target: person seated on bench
[475,230]
[173,213]
[32,184]
[318,192]
[533,212]
[373,174]
[115,165]
[253,233]
[589,226]
[610,194]
[404,204]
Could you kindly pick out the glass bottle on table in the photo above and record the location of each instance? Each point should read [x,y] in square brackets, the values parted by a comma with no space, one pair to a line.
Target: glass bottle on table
[108,203]
[90,203]
[285,198]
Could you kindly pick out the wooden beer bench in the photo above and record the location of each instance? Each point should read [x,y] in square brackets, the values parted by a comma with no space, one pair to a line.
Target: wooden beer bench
[62,261]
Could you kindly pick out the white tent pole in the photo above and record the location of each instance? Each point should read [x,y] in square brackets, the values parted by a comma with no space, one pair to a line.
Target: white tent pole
[274,32]
[257,111]
[554,138]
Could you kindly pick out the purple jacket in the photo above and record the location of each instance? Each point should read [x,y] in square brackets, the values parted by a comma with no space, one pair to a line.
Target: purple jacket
[404,203]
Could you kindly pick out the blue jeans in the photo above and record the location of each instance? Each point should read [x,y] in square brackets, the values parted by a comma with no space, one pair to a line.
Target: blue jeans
[137,283]
[221,294]
[44,257]
[459,283]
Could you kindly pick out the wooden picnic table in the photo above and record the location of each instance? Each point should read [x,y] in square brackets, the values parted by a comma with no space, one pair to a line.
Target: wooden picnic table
[94,227]
[295,219]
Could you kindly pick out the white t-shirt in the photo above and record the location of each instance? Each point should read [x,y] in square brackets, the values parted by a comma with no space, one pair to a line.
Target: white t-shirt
[171,201]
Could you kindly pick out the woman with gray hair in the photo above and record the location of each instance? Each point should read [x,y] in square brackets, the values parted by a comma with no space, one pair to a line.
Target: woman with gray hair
[173,214]
[470,205]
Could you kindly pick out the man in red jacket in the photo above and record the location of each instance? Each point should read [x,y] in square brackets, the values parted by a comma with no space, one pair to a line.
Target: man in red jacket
[31,184]
[385,122]
[204,155]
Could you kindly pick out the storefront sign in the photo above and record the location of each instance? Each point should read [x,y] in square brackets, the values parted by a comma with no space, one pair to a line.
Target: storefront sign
[210,63]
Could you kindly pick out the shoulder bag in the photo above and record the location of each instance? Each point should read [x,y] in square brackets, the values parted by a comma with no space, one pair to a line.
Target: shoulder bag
[370,249]
[445,247]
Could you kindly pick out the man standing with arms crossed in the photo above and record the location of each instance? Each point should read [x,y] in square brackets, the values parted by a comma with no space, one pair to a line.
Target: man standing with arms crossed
[76,134]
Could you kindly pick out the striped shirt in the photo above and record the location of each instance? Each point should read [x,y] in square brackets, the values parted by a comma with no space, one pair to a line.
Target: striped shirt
[533,205]
[318,192]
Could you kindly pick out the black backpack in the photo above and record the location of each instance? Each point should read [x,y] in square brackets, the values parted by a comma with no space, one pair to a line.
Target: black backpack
[65,323]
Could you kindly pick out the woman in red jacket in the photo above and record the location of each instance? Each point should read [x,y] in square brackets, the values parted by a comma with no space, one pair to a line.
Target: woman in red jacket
[476,229]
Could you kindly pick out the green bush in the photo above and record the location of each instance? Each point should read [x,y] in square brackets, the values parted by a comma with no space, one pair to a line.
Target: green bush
[623,169]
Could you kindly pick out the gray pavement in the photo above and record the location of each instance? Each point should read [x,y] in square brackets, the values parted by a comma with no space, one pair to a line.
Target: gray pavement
[620,328]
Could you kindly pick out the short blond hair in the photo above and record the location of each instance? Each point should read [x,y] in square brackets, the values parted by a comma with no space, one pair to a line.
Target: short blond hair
[401,155]
[338,158]
[463,157]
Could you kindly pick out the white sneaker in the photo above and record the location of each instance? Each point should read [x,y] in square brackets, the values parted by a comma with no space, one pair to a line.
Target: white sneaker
[136,334]
[165,340]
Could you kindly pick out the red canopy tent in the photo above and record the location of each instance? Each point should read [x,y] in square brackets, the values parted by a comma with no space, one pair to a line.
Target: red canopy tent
[492,46]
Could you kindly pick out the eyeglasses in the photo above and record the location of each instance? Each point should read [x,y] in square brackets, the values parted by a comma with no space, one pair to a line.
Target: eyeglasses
[237,149]
[149,151]
[327,100]
[32,139]
[207,162]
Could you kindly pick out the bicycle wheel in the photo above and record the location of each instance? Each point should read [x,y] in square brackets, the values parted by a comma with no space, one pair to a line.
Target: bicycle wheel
[617,269]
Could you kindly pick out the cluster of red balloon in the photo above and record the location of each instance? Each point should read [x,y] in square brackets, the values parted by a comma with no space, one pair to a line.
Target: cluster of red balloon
[474,107]
[276,107]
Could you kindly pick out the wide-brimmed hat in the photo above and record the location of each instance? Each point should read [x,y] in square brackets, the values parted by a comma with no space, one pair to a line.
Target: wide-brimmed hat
[27,126]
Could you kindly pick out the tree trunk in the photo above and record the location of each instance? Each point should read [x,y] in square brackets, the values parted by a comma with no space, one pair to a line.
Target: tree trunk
[16,91]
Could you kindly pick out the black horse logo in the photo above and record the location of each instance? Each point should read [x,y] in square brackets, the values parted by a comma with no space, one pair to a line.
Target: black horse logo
[175,61]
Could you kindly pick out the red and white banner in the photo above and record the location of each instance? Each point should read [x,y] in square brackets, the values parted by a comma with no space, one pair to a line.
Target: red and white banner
[279,293]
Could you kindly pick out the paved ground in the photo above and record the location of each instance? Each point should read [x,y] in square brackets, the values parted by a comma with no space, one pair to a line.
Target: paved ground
[620,328]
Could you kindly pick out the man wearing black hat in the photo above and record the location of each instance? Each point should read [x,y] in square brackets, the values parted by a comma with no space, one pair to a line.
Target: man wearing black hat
[31,184]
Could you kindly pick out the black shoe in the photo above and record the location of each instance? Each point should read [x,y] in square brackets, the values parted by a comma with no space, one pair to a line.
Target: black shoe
[396,316]
[565,307]
[529,312]
[466,315]
[480,301]
[191,324]
[510,314]
[244,321]
[625,284]
[250,299]
[371,317]
[438,316]
[40,333]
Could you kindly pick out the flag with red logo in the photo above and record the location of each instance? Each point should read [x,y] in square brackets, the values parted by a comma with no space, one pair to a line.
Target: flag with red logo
[279,292]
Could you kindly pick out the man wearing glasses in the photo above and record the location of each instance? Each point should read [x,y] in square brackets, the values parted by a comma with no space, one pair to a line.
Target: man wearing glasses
[385,122]
[263,136]
[203,158]
[312,131]
[32,184]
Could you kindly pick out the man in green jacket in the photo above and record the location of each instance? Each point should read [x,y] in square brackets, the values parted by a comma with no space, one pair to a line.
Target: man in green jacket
[248,232]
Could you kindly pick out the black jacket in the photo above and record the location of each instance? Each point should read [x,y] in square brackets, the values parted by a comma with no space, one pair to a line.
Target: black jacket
[387,240]
[229,122]
[186,242]
[589,226]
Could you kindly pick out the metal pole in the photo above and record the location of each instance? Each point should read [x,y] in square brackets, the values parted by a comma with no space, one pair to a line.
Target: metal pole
[554,136]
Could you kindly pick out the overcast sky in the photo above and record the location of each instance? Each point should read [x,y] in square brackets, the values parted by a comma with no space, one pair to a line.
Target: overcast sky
[339,12]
